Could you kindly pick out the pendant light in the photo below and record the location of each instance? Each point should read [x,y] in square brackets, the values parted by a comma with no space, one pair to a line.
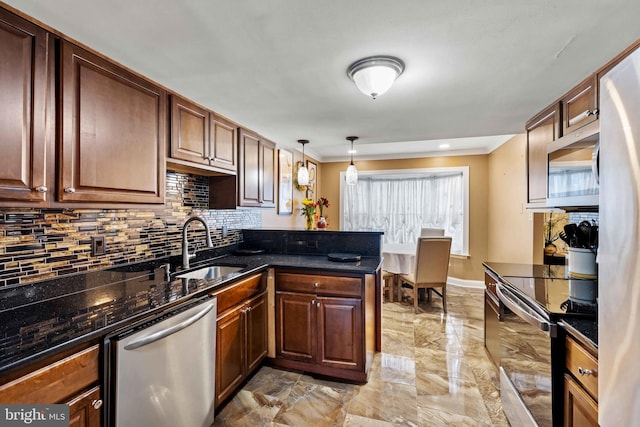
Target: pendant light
[303,172]
[374,75]
[352,172]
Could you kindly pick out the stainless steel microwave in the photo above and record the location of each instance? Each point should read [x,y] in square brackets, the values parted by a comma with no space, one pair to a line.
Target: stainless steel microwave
[572,169]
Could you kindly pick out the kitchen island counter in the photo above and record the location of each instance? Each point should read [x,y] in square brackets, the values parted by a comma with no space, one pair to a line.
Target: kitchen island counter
[40,319]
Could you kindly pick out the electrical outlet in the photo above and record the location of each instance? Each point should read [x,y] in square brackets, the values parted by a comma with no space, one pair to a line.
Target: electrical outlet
[98,245]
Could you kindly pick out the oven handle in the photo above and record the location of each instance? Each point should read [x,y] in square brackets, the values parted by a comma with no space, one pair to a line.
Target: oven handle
[156,336]
[524,312]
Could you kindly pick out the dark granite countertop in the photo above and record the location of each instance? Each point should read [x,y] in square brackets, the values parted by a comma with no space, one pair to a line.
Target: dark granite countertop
[40,319]
[584,330]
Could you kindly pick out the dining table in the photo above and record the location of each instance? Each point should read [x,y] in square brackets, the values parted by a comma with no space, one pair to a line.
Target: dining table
[398,258]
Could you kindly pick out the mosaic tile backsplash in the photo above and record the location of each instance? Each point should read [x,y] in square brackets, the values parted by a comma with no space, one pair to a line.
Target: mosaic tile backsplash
[37,244]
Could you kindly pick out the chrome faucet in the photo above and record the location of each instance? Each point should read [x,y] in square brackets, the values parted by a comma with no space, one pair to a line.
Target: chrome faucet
[186,256]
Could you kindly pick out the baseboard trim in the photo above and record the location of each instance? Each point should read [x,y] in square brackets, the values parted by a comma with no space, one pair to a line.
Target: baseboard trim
[463,283]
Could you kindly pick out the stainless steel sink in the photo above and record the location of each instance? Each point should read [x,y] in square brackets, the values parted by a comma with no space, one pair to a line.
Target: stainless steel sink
[209,273]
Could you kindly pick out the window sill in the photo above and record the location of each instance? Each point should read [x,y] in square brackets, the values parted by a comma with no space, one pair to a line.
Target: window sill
[461,256]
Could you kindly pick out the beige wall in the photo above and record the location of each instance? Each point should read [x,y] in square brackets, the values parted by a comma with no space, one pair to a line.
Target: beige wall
[511,226]
[270,217]
[500,228]
[470,268]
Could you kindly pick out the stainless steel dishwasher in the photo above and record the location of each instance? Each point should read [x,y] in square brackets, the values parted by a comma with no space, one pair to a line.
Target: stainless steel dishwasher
[164,369]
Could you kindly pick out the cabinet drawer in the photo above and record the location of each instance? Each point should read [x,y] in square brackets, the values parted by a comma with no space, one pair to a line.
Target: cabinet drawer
[583,366]
[54,383]
[319,284]
[239,292]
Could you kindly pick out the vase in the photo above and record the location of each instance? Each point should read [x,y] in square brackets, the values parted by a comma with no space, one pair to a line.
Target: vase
[309,222]
[322,223]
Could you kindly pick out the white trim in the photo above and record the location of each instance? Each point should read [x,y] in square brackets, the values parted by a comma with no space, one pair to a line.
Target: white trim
[463,283]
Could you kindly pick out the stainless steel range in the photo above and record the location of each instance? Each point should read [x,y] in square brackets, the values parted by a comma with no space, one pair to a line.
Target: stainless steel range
[530,389]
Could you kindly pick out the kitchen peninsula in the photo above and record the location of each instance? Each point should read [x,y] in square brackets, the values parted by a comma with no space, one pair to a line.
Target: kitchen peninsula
[49,321]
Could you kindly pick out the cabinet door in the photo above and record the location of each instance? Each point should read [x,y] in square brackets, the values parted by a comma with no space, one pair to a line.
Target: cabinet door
[580,410]
[296,326]
[113,132]
[249,173]
[267,174]
[579,107]
[230,353]
[340,329]
[24,79]
[256,314]
[224,143]
[541,130]
[189,131]
[85,410]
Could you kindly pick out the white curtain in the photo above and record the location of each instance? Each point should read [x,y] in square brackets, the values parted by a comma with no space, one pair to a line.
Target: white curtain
[401,205]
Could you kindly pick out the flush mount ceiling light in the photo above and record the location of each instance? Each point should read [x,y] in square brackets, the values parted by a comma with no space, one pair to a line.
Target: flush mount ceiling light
[303,172]
[375,75]
[352,172]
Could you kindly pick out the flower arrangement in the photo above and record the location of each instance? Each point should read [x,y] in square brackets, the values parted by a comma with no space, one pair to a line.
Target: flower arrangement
[322,203]
[308,210]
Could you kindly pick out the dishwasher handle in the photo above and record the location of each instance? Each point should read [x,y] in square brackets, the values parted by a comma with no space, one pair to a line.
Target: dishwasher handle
[156,336]
[525,312]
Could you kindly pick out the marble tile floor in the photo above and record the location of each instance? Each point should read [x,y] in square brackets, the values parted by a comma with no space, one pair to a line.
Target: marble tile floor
[432,371]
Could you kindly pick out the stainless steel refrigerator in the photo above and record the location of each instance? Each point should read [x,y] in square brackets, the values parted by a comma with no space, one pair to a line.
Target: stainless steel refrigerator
[619,250]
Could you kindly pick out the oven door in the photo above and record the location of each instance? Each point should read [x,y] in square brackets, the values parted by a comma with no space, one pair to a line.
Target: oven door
[525,362]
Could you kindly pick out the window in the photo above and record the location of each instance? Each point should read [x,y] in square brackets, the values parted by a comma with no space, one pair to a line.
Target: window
[401,202]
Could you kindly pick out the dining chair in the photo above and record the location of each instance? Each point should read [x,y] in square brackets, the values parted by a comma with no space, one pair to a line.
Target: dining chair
[388,284]
[431,232]
[430,269]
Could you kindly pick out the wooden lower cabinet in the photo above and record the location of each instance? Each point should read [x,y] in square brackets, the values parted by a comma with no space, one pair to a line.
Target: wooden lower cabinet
[85,409]
[340,333]
[321,325]
[72,380]
[580,384]
[580,410]
[241,334]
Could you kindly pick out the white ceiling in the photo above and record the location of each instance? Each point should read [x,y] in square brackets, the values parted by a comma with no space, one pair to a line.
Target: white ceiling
[474,69]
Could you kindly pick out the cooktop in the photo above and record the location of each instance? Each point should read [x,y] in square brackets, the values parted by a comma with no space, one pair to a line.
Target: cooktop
[558,296]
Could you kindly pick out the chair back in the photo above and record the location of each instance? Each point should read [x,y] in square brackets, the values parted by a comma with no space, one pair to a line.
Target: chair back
[431,232]
[432,260]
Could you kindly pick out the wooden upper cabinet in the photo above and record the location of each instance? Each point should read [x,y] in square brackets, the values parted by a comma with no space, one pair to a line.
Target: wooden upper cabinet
[112,132]
[256,174]
[189,131]
[541,130]
[223,147]
[268,186]
[201,140]
[580,105]
[25,164]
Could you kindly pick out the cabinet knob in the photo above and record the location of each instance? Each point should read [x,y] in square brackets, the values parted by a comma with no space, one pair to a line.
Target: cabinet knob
[318,304]
[315,285]
[69,190]
[97,404]
[584,372]
[41,189]
[591,113]
[209,158]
